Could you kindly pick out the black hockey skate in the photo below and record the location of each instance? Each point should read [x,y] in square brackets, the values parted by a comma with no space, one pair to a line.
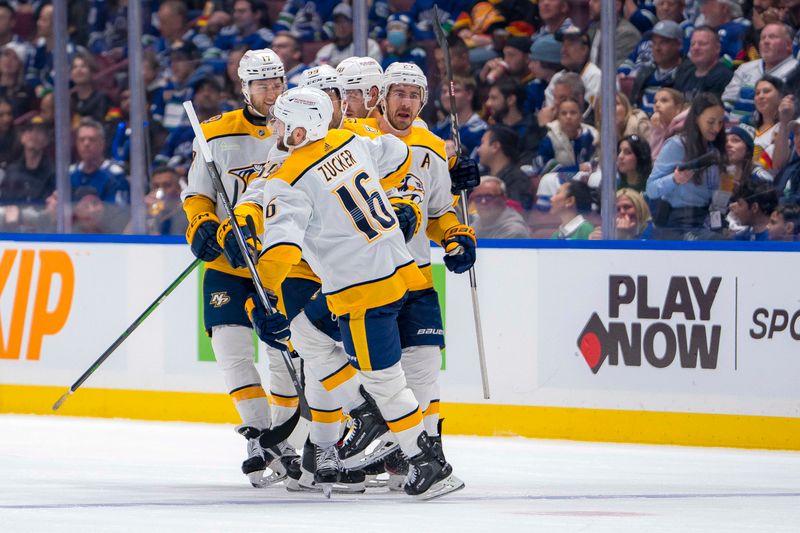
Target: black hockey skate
[263,466]
[347,482]
[326,468]
[429,475]
[396,466]
[368,427]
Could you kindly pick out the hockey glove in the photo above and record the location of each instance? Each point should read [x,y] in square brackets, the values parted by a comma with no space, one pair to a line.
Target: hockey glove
[464,175]
[459,247]
[227,239]
[272,328]
[202,236]
[408,214]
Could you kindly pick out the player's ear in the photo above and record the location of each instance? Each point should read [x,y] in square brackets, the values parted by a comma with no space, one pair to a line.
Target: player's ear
[299,135]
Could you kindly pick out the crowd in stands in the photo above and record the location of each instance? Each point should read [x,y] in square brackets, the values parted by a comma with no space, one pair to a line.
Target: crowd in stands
[707,108]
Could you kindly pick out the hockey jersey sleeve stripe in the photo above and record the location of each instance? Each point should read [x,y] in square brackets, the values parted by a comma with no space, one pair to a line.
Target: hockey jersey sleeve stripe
[326,417]
[377,292]
[283,401]
[332,381]
[248,392]
[438,226]
[358,334]
[395,178]
[405,422]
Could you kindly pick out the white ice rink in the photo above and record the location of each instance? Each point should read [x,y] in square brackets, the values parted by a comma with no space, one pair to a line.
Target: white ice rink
[61,474]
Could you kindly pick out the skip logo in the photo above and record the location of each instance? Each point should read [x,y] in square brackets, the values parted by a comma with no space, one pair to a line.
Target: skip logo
[218,299]
[38,301]
[680,327]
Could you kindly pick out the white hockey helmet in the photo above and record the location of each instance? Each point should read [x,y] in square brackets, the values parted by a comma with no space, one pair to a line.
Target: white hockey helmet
[406,74]
[325,78]
[361,73]
[304,107]
[261,64]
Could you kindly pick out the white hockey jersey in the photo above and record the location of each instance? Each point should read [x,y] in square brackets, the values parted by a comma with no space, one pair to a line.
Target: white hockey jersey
[239,143]
[427,183]
[326,203]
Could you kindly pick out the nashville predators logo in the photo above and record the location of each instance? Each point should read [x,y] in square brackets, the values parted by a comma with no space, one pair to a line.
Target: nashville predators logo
[218,299]
[413,188]
[247,173]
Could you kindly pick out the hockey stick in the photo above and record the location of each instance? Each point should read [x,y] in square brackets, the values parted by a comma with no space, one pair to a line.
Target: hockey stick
[205,151]
[141,318]
[442,40]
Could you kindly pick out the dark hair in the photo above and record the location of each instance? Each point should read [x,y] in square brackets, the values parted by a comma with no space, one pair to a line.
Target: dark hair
[709,29]
[644,157]
[779,85]
[7,5]
[179,8]
[297,46]
[209,81]
[261,7]
[166,170]
[583,194]
[790,213]
[509,86]
[508,139]
[456,42]
[761,193]
[694,143]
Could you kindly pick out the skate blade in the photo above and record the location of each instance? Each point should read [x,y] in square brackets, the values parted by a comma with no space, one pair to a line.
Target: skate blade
[376,482]
[396,482]
[363,459]
[327,489]
[449,484]
[274,473]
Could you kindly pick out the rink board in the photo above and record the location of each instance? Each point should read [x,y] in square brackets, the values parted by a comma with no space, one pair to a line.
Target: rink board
[678,343]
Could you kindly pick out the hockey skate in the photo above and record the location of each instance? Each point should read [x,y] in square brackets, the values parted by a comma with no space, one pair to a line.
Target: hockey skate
[263,466]
[347,482]
[429,475]
[396,466]
[369,439]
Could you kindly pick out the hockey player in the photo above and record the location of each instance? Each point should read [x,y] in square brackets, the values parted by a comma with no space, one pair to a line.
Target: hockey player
[325,202]
[239,140]
[361,77]
[428,185]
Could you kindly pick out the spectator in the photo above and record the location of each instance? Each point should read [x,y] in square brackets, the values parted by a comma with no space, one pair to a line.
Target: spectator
[476,27]
[7,21]
[630,120]
[93,170]
[495,220]
[498,154]
[787,180]
[400,43]
[504,106]
[569,145]
[634,163]
[667,43]
[39,73]
[703,72]
[567,85]
[668,117]
[775,46]
[10,149]
[683,196]
[575,58]
[725,16]
[644,20]
[176,30]
[634,221]
[90,215]
[513,64]
[764,12]
[342,46]
[627,36]
[47,110]
[178,89]
[12,78]
[751,207]
[471,126]
[165,215]
[739,160]
[459,57]
[573,200]
[308,21]
[108,23]
[233,84]
[419,15]
[553,17]
[784,223]
[30,179]
[86,100]
[177,150]
[249,19]
[545,61]
[155,85]
[769,92]
[290,50]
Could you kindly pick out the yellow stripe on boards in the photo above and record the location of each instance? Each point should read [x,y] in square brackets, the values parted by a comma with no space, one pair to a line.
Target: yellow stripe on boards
[358,332]
[606,425]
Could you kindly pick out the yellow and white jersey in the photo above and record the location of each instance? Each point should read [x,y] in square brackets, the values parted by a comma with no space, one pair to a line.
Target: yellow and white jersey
[239,143]
[427,184]
[326,203]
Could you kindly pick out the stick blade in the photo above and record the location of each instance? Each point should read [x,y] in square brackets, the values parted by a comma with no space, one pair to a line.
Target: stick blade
[61,400]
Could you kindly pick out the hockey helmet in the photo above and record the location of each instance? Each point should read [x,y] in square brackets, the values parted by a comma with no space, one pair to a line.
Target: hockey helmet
[259,65]
[361,73]
[407,74]
[304,107]
[325,78]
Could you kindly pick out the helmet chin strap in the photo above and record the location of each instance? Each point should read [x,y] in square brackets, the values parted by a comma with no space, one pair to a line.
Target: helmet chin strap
[391,127]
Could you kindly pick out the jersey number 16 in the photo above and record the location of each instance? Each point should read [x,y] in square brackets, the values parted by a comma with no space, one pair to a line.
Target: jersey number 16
[377,218]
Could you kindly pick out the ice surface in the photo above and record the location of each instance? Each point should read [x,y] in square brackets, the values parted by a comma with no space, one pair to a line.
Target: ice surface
[90,475]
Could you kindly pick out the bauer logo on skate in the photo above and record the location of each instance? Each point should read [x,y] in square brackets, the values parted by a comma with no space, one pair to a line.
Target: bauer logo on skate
[680,326]
[38,284]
